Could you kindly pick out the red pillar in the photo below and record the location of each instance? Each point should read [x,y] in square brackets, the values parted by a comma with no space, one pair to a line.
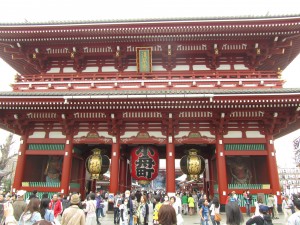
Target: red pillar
[170,167]
[67,165]
[129,181]
[221,169]
[123,171]
[82,180]
[20,164]
[272,166]
[114,168]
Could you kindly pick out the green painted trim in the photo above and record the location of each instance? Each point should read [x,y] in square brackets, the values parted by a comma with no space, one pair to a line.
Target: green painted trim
[245,147]
[54,147]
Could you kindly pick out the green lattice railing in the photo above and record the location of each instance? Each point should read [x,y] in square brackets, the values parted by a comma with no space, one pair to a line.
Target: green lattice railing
[48,184]
[54,147]
[40,194]
[248,186]
[244,147]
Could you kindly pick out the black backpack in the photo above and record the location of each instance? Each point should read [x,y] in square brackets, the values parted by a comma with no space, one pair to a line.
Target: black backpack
[267,222]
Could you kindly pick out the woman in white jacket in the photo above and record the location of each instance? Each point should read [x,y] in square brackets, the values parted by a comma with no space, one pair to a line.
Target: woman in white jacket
[124,217]
[90,210]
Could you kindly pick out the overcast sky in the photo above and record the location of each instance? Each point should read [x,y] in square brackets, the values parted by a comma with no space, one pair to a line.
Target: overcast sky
[65,10]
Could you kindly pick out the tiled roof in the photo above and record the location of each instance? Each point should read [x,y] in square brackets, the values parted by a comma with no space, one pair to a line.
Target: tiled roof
[154,92]
[141,20]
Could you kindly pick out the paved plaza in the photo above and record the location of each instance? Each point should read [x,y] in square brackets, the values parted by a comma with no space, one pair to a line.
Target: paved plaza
[189,220]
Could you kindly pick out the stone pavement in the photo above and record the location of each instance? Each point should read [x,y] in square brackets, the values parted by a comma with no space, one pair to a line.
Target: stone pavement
[191,220]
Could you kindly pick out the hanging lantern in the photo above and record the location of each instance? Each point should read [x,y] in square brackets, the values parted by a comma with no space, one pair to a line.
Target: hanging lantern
[144,164]
[192,165]
[96,164]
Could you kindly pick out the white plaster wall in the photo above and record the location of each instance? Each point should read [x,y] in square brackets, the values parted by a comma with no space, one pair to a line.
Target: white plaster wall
[109,69]
[56,134]
[254,134]
[240,67]
[202,133]
[92,69]
[131,68]
[53,70]
[38,134]
[234,134]
[224,67]
[200,67]
[69,70]
[158,68]
[182,68]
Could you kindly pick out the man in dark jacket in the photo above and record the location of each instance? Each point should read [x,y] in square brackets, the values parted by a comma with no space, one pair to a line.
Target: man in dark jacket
[259,220]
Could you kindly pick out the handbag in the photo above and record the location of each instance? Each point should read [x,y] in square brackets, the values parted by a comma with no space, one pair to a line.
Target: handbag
[218,217]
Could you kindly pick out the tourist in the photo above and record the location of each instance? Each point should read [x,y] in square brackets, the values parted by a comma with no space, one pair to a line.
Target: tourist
[275,207]
[167,215]
[262,218]
[247,199]
[99,207]
[177,208]
[117,203]
[46,213]
[143,211]
[90,209]
[73,215]
[56,205]
[156,209]
[204,213]
[215,209]
[19,205]
[257,204]
[9,215]
[287,205]
[294,219]
[33,195]
[2,201]
[130,206]
[31,213]
[184,201]
[191,203]
[270,204]
[124,215]
[234,215]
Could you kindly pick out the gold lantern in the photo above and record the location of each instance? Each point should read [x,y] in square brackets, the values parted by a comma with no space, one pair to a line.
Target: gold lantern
[96,164]
[192,165]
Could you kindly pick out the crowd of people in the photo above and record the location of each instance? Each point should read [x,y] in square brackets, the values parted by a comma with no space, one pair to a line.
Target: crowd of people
[142,208]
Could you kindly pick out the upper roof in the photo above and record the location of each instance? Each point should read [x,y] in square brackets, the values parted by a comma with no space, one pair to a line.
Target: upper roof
[277,38]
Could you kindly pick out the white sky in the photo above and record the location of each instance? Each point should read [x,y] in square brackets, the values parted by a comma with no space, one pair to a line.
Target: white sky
[67,10]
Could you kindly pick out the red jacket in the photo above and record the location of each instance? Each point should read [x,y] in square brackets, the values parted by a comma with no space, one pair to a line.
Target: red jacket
[56,207]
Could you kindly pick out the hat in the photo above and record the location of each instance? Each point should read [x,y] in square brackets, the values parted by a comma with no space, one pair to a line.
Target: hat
[75,199]
[263,208]
[21,193]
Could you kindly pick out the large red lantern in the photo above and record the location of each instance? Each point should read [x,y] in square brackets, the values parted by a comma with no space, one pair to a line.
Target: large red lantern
[144,164]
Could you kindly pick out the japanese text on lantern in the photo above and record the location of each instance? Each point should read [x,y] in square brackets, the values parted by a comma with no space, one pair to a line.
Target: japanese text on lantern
[144,163]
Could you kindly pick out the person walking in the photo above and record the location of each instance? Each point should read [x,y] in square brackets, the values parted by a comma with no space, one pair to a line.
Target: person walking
[294,219]
[204,213]
[234,215]
[270,204]
[287,205]
[124,215]
[19,205]
[73,215]
[56,205]
[184,201]
[90,210]
[247,199]
[31,213]
[46,213]
[215,209]
[191,203]
[143,211]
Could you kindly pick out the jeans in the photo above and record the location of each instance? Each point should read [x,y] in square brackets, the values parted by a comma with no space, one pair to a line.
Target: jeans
[130,219]
[116,215]
[248,209]
[204,222]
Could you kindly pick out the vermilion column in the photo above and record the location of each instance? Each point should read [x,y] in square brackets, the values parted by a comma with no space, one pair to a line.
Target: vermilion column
[123,171]
[114,168]
[170,167]
[221,169]
[272,166]
[20,164]
[67,165]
